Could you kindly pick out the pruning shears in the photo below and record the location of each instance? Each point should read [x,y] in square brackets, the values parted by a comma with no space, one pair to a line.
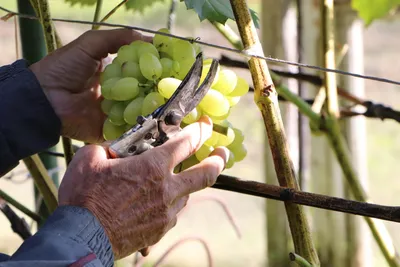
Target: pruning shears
[158,127]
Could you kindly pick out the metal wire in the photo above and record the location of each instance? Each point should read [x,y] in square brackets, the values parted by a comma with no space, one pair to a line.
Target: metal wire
[245,53]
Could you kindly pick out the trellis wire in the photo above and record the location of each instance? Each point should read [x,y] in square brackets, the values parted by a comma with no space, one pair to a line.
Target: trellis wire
[245,53]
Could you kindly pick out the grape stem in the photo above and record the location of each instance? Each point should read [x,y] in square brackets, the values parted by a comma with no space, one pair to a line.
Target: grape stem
[266,98]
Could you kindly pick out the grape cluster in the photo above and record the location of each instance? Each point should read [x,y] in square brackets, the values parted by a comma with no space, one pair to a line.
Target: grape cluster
[144,76]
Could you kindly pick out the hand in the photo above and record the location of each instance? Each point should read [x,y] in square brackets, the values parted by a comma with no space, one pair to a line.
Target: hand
[137,198]
[70,79]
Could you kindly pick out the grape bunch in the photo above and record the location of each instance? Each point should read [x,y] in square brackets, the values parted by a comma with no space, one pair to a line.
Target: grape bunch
[145,75]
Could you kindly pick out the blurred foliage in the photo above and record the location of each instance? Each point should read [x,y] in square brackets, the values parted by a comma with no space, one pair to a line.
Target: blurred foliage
[370,10]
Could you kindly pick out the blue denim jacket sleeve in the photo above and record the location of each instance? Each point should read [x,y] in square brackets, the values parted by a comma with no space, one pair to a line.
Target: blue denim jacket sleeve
[71,236]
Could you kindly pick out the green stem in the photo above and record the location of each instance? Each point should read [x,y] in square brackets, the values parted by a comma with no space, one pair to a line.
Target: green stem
[229,34]
[97,12]
[299,260]
[20,207]
[109,14]
[266,98]
[42,181]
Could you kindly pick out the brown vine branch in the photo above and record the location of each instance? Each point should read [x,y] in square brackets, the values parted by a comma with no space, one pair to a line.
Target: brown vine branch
[18,225]
[266,99]
[233,184]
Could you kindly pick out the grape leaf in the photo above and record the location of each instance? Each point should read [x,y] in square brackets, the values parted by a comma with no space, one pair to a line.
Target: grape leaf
[370,10]
[82,2]
[140,5]
[216,10]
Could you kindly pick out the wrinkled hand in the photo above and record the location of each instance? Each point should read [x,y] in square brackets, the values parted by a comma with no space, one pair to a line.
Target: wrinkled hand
[137,198]
[70,79]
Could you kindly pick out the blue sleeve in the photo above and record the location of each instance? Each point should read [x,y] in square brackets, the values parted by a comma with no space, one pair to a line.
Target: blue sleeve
[71,236]
[28,123]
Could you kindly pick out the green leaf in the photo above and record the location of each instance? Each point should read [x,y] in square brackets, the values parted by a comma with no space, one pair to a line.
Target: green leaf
[82,2]
[140,5]
[215,10]
[370,10]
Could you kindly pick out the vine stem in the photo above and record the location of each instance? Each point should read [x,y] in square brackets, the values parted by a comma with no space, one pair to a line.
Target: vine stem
[97,12]
[299,260]
[10,200]
[266,98]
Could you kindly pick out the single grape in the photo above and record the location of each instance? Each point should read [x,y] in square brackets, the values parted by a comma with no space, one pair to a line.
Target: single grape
[125,89]
[128,127]
[183,50]
[203,152]
[145,48]
[226,82]
[127,53]
[167,86]
[150,66]
[176,67]
[184,66]
[231,160]
[241,88]
[192,116]
[133,110]
[161,42]
[111,131]
[219,119]
[233,100]
[239,138]
[132,69]
[226,140]
[151,102]
[112,70]
[213,140]
[107,86]
[239,151]
[116,114]
[106,105]
[214,103]
[166,64]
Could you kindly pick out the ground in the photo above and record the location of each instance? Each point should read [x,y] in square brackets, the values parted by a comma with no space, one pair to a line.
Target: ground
[206,219]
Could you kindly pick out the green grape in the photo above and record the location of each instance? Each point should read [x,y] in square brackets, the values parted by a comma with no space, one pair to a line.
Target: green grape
[111,131]
[184,66]
[203,152]
[150,66]
[231,160]
[239,138]
[176,67]
[125,89]
[166,64]
[151,102]
[213,140]
[241,88]
[239,151]
[116,114]
[167,86]
[226,140]
[183,50]
[128,127]
[219,119]
[106,105]
[165,55]
[206,69]
[145,48]
[233,100]
[127,53]
[162,42]
[226,82]
[197,48]
[107,86]
[112,70]
[132,69]
[133,110]
[214,103]
[192,116]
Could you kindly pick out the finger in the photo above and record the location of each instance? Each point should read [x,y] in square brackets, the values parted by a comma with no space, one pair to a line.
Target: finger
[99,43]
[145,251]
[201,175]
[185,143]
[91,154]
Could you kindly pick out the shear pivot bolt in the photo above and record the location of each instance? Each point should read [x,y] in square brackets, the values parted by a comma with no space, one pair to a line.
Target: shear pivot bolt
[173,118]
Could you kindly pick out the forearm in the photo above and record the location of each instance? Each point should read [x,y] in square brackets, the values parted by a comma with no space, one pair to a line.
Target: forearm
[71,236]
[28,123]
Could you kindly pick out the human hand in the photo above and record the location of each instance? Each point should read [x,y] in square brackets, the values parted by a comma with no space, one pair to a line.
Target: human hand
[137,199]
[70,79]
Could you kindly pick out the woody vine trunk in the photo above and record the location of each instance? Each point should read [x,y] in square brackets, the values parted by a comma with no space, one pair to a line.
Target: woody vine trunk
[266,99]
